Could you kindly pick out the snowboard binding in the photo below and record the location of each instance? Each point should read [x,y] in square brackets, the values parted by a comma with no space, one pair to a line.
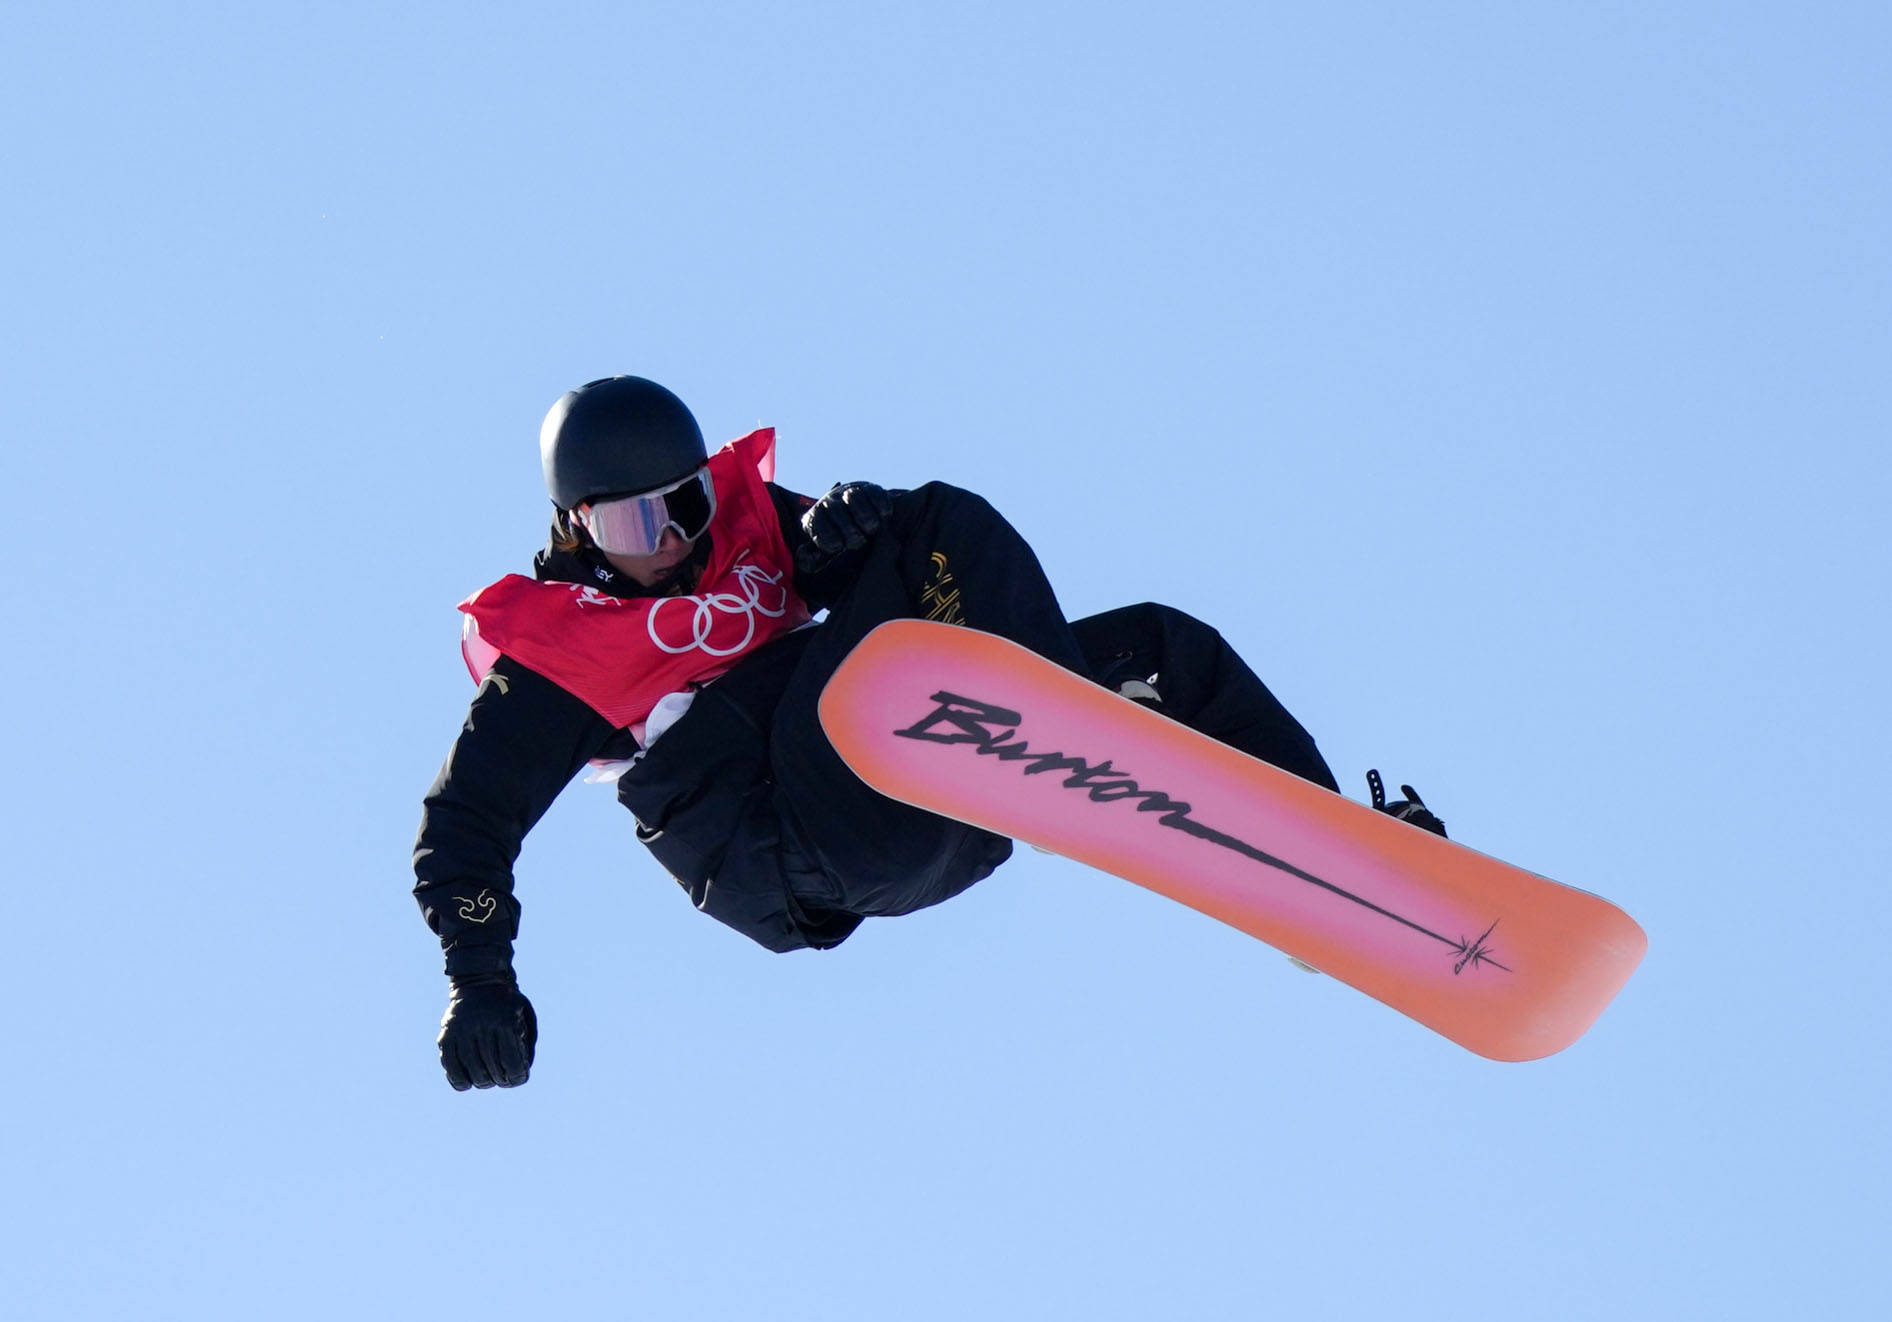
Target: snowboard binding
[1411,809]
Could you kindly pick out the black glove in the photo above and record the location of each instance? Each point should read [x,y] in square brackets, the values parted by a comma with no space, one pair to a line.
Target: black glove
[1411,809]
[488,1033]
[841,521]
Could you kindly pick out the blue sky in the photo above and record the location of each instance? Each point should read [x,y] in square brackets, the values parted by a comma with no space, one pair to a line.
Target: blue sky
[1508,381]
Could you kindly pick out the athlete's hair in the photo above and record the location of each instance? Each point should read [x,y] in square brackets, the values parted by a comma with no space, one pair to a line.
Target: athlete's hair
[566,534]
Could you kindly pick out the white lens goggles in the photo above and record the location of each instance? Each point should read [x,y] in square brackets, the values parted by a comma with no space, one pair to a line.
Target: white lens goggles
[635,525]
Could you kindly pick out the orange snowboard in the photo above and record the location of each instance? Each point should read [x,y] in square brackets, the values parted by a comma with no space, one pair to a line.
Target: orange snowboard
[1504,962]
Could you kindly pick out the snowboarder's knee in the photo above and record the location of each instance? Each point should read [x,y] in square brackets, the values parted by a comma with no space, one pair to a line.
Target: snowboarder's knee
[1151,621]
[938,510]
[944,500]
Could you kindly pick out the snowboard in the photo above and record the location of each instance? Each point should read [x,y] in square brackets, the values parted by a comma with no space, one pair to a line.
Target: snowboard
[1508,964]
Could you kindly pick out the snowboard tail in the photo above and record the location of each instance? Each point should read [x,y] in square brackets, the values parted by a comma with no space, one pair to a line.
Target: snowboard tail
[1506,963]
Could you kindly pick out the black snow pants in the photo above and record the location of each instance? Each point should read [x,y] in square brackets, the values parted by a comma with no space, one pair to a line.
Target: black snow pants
[946,554]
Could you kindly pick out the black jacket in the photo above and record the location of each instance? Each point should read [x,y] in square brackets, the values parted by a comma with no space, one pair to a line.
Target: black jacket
[525,738]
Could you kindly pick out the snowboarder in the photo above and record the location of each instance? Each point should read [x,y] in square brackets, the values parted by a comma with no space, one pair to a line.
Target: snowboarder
[667,636]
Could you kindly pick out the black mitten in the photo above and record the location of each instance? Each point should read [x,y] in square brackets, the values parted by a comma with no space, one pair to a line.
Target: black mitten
[488,1034]
[841,521]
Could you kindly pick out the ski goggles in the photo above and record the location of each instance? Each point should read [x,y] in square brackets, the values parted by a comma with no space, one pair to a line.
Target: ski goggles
[635,525]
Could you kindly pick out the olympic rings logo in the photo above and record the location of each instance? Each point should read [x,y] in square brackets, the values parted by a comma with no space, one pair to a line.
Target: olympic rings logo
[710,609]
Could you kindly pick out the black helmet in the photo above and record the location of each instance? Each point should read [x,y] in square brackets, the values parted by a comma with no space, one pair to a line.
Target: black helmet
[614,436]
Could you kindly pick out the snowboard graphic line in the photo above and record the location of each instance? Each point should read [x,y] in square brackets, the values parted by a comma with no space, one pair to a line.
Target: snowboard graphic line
[1371,901]
[969,721]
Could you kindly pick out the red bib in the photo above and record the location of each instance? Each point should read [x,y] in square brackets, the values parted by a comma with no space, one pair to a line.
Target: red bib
[619,655]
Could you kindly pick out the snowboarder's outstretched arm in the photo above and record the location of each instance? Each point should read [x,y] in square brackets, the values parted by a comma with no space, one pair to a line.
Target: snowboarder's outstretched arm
[523,741]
